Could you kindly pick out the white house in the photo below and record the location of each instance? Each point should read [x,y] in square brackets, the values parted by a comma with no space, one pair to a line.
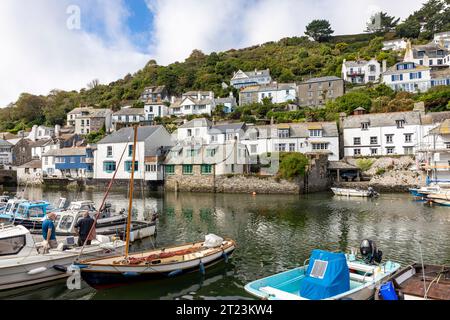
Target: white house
[276,92]
[153,110]
[127,116]
[30,172]
[229,104]
[382,134]
[87,120]
[6,152]
[443,39]
[243,79]
[193,103]
[43,133]
[41,147]
[361,71]
[307,138]
[395,45]
[429,55]
[152,143]
[408,76]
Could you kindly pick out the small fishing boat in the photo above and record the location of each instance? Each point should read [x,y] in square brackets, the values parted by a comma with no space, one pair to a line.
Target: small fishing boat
[329,276]
[66,221]
[22,263]
[369,193]
[423,192]
[24,212]
[417,282]
[151,264]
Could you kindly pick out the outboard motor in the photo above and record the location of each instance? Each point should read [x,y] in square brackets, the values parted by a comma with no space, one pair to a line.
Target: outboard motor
[372,192]
[370,253]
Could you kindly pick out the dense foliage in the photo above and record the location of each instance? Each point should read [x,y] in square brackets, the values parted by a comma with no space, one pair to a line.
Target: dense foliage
[292,165]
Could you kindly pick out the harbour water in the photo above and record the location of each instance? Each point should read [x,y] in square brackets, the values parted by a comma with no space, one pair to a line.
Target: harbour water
[273,233]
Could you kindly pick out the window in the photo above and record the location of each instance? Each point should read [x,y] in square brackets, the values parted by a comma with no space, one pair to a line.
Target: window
[415,75]
[373,151]
[372,68]
[109,166]
[356,152]
[191,153]
[283,133]
[356,141]
[253,148]
[408,138]
[206,169]
[280,147]
[170,169]
[46,161]
[408,150]
[320,146]
[83,160]
[12,245]
[372,78]
[390,150]
[365,125]
[230,136]
[60,160]
[150,167]
[214,138]
[447,145]
[130,150]
[109,152]
[211,152]
[73,160]
[389,138]
[189,132]
[66,223]
[400,124]
[421,62]
[373,140]
[187,169]
[292,147]
[431,62]
[439,61]
[315,133]
[27,170]
[128,165]
[397,77]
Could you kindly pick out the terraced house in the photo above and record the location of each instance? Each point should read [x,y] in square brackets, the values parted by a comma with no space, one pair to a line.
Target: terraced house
[152,145]
[193,103]
[127,116]
[243,79]
[317,91]
[87,120]
[275,92]
[68,163]
[307,138]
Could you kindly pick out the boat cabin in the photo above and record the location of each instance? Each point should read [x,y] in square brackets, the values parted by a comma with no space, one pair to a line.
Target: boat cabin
[15,241]
[24,209]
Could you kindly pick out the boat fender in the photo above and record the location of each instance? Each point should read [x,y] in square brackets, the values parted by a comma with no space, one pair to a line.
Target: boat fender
[202,268]
[175,273]
[37,271]
[60,268]
[130,274]
[225,256]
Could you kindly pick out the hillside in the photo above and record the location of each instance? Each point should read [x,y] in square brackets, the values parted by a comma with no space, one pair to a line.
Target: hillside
[289,59]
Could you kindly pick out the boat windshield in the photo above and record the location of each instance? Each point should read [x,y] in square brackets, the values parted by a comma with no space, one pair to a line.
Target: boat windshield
[36,212]
[12,245]
[66,223]
[21,211]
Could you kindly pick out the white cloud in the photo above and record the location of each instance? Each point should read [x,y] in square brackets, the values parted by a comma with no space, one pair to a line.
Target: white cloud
[39,53]
[183,25]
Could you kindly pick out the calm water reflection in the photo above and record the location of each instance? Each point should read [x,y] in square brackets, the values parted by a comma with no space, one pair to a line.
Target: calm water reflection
[273,233]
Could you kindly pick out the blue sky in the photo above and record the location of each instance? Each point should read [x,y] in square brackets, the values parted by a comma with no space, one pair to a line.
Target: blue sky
[118,37]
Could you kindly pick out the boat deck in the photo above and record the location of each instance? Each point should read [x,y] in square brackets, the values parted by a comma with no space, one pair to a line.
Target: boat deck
[437,282]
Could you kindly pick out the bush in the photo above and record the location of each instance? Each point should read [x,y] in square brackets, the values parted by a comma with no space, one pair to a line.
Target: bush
[292,165]
[364,164]
[380,171]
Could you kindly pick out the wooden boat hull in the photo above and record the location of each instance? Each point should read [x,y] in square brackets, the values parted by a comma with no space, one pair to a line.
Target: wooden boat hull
[105,276]
[18,272]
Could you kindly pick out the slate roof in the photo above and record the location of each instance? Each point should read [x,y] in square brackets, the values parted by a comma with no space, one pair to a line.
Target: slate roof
[125,135]
[130,111]
[417,67]
[382,119]
[4,143]
[199,122]
[66,152]
[440,74]
[154,89]
[270,87]
[430,49]
[228,127]
[297,130]
[323,79]
[435,117]
[33,164]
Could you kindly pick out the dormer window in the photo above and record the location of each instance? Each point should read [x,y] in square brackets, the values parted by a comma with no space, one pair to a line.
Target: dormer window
[315,133]
[365,125]
[283,133]
[400,124]
[421,54]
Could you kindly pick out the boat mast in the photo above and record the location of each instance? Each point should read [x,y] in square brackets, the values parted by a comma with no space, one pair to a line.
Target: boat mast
[130,205]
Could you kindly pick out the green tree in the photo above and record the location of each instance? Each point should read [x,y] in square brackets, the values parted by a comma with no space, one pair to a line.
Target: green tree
[292,165]
[319,30]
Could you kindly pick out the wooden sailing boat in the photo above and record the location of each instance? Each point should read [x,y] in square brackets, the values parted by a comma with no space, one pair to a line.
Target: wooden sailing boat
[160,263]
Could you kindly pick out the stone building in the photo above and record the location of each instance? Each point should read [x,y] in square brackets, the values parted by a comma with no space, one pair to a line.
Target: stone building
[317,91]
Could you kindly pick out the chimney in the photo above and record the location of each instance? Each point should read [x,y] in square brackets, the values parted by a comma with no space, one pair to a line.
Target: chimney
[172,99]
[57,130]
[272,121]
[199,95]
[359,111]
[384,66]
[33,134]
[211,95]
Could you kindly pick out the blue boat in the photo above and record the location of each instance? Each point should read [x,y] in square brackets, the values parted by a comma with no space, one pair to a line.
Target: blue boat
[329,276]
[30,214]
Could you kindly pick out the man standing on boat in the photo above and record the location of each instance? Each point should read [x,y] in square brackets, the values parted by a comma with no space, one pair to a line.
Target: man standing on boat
[83,228]
[49,232]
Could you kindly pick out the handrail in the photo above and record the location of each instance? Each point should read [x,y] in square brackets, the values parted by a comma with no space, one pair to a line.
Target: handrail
[304,263]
